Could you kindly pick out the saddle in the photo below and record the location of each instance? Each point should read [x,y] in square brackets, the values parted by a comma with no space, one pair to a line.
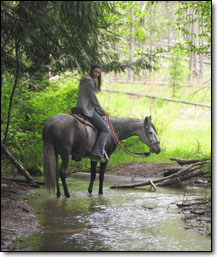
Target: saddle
[78,114]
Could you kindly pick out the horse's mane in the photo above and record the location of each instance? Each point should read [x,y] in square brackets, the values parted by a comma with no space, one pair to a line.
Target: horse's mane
[153,127]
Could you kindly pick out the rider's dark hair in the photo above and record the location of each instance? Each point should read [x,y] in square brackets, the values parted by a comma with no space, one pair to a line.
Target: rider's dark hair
[99,82]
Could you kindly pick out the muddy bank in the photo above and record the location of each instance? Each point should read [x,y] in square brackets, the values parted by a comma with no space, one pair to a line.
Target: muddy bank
[17,217]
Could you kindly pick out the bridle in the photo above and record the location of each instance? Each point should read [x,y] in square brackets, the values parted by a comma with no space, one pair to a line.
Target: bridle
[146,133]
[142,155]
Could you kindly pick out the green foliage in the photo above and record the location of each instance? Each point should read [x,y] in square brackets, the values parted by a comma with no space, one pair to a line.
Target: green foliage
[183,130]
[178,68]
[29,113]
[200,12]
[54,35]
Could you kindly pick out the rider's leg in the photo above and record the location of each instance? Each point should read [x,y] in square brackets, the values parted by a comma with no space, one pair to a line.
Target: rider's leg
[102,126]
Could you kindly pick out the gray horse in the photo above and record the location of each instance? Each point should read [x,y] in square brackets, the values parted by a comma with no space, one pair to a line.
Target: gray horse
[64,135]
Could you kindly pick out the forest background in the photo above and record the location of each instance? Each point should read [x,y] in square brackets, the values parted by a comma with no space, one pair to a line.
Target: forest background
[157,48]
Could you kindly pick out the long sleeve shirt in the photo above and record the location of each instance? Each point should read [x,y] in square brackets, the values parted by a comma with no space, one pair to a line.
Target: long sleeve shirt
[87,99]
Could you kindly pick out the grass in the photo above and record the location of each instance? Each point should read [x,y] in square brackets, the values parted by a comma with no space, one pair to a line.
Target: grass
[184,130]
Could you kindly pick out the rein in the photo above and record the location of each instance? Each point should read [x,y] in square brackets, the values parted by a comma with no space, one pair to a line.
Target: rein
[142,155]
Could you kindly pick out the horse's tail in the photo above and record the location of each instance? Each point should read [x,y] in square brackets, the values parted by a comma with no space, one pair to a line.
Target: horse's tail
[49,165]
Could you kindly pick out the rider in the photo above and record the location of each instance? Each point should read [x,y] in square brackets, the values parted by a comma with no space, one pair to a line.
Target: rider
[91,108]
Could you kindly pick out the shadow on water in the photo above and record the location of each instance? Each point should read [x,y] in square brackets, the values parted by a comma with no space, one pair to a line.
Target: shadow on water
[121,220]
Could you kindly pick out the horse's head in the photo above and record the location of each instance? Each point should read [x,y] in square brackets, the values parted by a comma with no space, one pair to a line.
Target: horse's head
[150,136]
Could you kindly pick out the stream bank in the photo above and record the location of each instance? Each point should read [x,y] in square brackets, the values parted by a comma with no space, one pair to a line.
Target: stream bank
[17,216]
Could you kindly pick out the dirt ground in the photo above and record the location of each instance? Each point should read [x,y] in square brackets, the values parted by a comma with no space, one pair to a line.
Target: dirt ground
[142,169]
[18,218]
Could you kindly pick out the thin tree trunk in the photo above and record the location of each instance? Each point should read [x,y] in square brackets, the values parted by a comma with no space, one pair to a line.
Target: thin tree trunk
[201,58]
[130,72]
[150,42]
[116,51]
[12,94]
[169,18]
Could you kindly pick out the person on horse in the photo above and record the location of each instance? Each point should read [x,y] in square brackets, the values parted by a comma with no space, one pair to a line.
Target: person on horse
[91,108]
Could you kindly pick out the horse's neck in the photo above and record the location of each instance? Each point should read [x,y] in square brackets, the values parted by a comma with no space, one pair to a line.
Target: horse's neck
[125,128]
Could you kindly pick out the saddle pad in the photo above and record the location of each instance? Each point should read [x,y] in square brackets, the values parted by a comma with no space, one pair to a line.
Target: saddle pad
[83,120]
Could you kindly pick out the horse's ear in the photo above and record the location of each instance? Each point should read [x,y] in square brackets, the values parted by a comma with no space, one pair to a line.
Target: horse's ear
[150,118]
[146,122]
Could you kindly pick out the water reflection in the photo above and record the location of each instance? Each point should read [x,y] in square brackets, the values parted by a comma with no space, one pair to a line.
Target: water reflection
[121,220]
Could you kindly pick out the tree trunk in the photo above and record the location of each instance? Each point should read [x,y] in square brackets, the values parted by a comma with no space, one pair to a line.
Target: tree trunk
[116,51]
[190,38]
[130,72]
[201,58]
[150,42]
[12,93]
[169,28]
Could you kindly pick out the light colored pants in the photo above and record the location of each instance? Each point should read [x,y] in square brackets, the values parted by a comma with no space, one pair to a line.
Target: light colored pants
[103,128]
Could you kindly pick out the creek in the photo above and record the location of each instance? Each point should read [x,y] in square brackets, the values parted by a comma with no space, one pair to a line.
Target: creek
[120,220]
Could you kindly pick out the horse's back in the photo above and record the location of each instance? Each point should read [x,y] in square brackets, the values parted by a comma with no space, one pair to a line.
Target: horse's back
[66,132]
[59,129]
[59,120]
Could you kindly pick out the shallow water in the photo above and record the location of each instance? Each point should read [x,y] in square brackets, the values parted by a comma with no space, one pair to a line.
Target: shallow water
[120,220]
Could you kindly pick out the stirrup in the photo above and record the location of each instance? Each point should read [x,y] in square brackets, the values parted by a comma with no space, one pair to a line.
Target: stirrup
[106,156]
[96,158]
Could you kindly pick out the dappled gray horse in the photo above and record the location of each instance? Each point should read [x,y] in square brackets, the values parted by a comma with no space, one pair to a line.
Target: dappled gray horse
[64,135]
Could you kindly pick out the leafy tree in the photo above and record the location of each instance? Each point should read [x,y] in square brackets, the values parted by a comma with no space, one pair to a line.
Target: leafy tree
[54,35]
[189,13]
[177,68]
[29,113]
[51,36]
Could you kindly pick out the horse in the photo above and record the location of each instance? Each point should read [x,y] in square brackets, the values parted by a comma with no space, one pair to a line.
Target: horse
[65,135]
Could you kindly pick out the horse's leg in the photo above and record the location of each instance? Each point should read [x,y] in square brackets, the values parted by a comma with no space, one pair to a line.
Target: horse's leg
[101,177]
[57,176]
[62,171]
[92,176]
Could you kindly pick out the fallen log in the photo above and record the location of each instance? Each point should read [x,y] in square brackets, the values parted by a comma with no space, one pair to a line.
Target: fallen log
[188,161]
[19,167]
[158,180]
[194,172]
[171,171]
[22,181]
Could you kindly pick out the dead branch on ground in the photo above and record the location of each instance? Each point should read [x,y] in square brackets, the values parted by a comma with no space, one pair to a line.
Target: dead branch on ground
[19,167]
[181,174]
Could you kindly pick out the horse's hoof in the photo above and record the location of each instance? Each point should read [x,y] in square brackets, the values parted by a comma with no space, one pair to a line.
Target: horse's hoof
[101,196]
[68,195]
[89,194]
[58,195]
